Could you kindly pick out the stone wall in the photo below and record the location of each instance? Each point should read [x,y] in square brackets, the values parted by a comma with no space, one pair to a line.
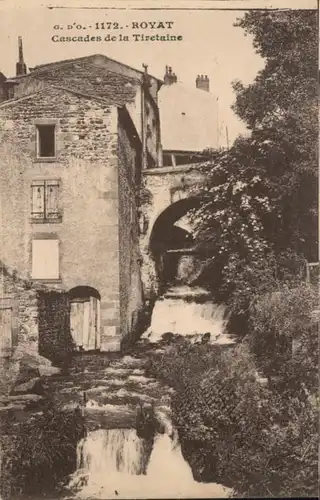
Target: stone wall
[131,295]
[22,297]
[40,318]
[55,341]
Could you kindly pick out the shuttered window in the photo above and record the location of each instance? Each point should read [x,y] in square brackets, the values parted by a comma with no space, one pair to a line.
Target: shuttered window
[45,200]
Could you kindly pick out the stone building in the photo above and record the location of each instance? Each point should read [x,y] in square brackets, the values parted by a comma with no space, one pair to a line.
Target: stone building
[95,194]
[75,138]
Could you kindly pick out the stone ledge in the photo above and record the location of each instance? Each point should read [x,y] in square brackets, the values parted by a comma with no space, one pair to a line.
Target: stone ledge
[112,345]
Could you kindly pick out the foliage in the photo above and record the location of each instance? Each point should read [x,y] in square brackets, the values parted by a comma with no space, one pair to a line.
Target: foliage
[280,320]
[234,208]
[235,431]
[260,196]
[38,453]
[280,109]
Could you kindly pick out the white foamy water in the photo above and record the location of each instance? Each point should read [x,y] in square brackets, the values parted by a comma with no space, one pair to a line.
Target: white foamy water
[181,313]
[110,465]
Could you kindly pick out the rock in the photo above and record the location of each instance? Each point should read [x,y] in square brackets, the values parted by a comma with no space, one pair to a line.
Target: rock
[26,373]
[19,402]
[32,358]
[32,386]
[21,397]
[146,423]
[168,337]
[22,370]
[200,338]
[47,371]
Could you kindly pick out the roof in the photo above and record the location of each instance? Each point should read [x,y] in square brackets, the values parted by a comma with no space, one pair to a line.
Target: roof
[83,76]
[93,59]
[188,118]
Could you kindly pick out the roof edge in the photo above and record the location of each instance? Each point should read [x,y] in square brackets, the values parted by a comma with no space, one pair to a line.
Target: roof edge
[76,59]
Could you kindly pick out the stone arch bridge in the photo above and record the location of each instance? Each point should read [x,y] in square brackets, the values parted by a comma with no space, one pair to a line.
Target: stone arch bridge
[166,241]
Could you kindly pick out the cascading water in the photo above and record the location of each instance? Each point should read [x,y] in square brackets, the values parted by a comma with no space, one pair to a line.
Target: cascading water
[110,466]
[188,312]
[112,450]
[116,463]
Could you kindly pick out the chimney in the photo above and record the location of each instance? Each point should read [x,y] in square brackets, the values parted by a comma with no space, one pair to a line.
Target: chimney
[21,68]
[169,77]
[146,77]
[203,83]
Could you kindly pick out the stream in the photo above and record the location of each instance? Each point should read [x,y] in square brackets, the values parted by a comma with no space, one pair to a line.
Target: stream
[112,460]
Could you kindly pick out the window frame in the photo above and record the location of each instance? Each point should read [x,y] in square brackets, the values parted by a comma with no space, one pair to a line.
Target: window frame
[38,140]
[45,184]
[56,279]
[41,122]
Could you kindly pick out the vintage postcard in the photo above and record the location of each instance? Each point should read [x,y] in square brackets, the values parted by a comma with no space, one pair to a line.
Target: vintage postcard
[159,266]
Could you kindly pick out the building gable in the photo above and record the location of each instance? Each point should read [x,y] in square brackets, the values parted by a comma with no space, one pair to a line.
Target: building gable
[84,125]
[82,76]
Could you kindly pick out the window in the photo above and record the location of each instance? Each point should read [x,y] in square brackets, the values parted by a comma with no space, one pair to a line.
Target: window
[45,201]
[46,147]
[45,259]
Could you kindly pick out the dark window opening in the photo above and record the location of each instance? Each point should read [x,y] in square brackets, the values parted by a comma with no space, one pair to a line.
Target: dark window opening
[10,92]
[46,141]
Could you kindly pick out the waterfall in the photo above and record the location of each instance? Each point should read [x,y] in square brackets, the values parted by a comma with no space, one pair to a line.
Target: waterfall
[112,450]
[117,463]
[110,465]
[189,312]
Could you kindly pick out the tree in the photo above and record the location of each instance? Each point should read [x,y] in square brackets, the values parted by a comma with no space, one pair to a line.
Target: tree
[261,195]
[280,109]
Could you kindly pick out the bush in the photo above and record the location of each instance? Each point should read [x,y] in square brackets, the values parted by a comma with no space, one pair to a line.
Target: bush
[234,431]
[283,334]
[38,453]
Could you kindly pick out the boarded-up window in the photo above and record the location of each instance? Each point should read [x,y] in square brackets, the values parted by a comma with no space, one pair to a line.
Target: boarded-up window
[45,259]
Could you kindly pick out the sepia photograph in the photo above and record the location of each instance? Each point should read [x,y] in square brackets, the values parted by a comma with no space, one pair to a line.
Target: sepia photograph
[159,262]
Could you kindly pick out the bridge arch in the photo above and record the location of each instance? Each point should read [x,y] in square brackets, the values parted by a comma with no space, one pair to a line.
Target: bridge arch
[171,194]
[172,242]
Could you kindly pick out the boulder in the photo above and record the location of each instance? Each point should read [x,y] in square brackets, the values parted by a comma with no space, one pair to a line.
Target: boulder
[31,358]
[32,386]
[21,373]
[47,371]
[26,373]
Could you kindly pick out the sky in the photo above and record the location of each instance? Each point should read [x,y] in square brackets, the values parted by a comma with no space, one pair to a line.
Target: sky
[211,45]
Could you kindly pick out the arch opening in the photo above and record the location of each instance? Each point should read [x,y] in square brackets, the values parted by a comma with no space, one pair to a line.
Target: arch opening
[85,318]
[83,292]
[172,244]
